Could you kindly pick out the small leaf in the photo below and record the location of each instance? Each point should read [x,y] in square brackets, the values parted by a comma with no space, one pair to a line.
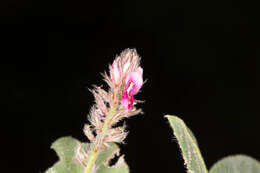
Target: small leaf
[187,142]
[64,147]
[104,158]
[105,155]
[236,164]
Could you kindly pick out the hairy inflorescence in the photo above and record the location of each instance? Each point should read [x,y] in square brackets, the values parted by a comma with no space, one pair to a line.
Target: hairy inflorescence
[124,80]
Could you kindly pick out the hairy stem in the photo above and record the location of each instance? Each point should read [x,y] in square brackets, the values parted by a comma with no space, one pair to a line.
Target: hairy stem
[99,142]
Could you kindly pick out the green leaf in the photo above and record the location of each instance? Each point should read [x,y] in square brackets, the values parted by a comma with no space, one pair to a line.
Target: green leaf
[105,156]
[187,142]
[65,147]
[236,164]
[192,136]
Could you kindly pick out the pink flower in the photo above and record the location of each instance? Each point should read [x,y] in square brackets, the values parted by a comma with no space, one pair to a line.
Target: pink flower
[127,62]
[125,78]
[133,83]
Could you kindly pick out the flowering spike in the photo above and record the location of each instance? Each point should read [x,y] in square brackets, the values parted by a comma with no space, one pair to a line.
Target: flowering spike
[125,79]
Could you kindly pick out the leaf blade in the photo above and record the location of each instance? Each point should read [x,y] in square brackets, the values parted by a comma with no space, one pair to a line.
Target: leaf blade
[64,147]
[188,144]
[106,155]
[236,164]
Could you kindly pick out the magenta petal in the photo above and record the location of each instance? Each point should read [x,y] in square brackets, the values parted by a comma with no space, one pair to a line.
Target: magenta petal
[131,102]
[125,100]
[136,78]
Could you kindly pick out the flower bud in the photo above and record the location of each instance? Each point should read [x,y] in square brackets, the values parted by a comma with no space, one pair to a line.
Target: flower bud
[115,72]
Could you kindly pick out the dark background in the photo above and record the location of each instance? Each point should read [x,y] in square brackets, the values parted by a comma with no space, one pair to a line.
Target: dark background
[200,59]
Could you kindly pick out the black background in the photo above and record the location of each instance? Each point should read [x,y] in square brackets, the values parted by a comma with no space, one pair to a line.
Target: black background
[200,59]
